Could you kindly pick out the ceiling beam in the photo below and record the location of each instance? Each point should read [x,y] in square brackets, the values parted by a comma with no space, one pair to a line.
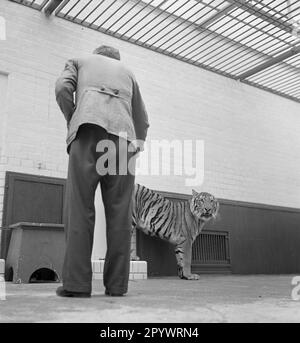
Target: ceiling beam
[270,63]
[51,7]
[218,15]
[260,13]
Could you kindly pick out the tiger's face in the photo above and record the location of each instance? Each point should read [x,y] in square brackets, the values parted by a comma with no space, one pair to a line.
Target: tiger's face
[204,206]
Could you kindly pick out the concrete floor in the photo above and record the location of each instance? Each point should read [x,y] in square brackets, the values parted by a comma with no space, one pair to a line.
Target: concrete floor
[213,298]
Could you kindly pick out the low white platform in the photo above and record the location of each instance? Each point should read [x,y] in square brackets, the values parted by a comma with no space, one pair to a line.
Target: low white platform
[138,270]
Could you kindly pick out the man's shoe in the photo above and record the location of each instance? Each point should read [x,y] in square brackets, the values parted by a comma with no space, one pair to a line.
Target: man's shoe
[61,292]
[112,294]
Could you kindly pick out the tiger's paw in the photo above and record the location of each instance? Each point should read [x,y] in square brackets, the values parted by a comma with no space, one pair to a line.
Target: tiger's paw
[191,277]
[133,256]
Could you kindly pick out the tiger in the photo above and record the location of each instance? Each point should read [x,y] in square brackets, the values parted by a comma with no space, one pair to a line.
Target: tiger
[179,223]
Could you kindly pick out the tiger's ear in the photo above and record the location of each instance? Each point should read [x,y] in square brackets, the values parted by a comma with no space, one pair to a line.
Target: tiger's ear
[194,193]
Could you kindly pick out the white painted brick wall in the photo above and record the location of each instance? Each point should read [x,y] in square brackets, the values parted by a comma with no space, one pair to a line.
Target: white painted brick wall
[252,139]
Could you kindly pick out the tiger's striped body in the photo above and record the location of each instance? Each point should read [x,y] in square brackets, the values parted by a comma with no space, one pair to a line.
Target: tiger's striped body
[175,222]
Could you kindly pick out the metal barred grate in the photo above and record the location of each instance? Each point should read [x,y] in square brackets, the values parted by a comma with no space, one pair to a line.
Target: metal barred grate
[211,248]
[256,42]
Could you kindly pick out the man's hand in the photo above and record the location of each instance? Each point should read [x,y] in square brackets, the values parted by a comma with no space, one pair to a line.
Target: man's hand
[138,145]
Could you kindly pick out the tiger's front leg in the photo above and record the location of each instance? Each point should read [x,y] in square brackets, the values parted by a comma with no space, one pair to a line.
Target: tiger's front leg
[133,255]
[183,253]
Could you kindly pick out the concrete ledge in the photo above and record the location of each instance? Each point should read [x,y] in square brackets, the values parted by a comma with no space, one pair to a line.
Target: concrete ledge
[138,270]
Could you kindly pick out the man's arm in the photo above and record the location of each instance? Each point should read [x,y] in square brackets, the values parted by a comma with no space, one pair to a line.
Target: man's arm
[139,114]
[65,87]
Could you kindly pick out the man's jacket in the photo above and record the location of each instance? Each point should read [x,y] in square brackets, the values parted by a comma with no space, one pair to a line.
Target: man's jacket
[106,94]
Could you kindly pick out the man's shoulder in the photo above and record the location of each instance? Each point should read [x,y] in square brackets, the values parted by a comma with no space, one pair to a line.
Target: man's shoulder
[107,62]
[83,58]
[80,58]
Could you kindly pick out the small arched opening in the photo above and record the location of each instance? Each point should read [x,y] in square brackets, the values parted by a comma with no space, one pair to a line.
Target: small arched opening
[43,275]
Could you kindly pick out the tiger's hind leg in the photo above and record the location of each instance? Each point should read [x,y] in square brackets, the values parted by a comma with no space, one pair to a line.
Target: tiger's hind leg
[183,252]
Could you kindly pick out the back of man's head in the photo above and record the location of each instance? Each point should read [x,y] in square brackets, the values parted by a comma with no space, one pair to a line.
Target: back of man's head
[108,51]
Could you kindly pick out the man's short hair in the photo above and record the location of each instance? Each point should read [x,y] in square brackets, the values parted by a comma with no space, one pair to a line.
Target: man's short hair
[108,51]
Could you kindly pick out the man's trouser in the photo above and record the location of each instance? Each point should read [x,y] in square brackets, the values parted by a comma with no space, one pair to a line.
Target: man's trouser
[79,213]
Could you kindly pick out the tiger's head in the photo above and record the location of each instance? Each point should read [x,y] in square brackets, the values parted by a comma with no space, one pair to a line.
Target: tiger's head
[204,206]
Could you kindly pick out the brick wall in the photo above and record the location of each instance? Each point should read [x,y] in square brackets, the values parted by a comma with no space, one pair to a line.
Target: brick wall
[251,137]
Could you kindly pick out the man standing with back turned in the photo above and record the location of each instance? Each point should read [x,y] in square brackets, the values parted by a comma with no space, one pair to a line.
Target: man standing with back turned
[108,105]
